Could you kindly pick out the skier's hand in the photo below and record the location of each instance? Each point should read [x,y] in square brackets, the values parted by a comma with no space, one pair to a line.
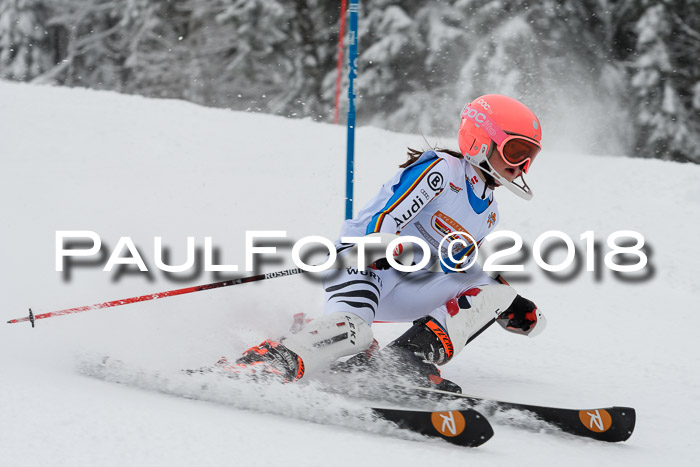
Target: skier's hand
[521,315]
[400,255]
[380,264]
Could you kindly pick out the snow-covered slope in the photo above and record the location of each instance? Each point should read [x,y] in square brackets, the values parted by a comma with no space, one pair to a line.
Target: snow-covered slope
[128,166]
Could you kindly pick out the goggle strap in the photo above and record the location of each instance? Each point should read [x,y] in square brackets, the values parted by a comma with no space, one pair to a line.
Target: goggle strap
[494,131]
[481,119]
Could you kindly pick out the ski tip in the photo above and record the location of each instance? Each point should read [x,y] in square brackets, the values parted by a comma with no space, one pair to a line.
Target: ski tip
[629,419]
[475,418]
[612,424]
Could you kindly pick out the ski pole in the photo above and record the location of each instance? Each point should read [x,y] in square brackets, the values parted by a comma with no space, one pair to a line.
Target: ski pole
[170,293]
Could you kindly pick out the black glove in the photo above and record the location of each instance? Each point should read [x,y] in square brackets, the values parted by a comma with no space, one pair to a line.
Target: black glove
[521,314]
[380,264]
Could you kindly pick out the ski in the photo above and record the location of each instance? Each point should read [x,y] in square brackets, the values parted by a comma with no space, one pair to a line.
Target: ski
[611,424]
[462,427]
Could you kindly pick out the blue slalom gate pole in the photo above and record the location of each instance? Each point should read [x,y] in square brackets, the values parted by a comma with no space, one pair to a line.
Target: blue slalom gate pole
[352,61]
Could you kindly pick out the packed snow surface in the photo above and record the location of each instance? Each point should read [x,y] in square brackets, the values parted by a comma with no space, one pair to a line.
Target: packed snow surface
[122,166]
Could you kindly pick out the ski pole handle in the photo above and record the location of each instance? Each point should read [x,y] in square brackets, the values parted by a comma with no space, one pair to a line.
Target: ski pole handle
[170,293]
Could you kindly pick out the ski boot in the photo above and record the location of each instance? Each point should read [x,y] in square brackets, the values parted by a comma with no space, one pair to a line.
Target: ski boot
[267,361]
[414,367]
[413,356]
[315,344]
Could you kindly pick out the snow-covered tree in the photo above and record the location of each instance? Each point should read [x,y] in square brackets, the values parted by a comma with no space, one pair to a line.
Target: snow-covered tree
[605,75]
[160,59]
[86,40]
[665,82]
[259,55]
[409,54]
[24,39]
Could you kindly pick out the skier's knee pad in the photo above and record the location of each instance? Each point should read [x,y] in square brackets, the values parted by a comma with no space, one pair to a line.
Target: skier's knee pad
[475,310]
[329,337]
[427,339]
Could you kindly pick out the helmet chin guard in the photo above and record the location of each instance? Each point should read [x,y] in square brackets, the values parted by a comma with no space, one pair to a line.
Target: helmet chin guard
[518,186]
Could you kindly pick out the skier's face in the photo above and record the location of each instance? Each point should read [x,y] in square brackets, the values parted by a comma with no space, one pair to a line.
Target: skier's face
[504,170]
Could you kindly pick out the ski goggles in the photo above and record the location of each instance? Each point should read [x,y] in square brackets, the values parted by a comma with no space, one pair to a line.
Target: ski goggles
[515,150]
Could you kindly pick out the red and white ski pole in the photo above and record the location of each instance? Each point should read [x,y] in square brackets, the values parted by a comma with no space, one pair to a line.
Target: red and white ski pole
[170,293]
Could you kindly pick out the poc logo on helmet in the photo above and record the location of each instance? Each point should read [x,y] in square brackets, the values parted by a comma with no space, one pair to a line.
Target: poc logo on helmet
[485,105]
[474,114]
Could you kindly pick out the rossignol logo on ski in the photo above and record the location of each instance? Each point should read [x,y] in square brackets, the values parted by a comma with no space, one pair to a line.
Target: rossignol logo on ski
[598,420]
[448,423]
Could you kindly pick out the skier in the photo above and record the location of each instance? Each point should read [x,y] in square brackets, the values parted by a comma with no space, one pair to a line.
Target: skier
[437,194]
